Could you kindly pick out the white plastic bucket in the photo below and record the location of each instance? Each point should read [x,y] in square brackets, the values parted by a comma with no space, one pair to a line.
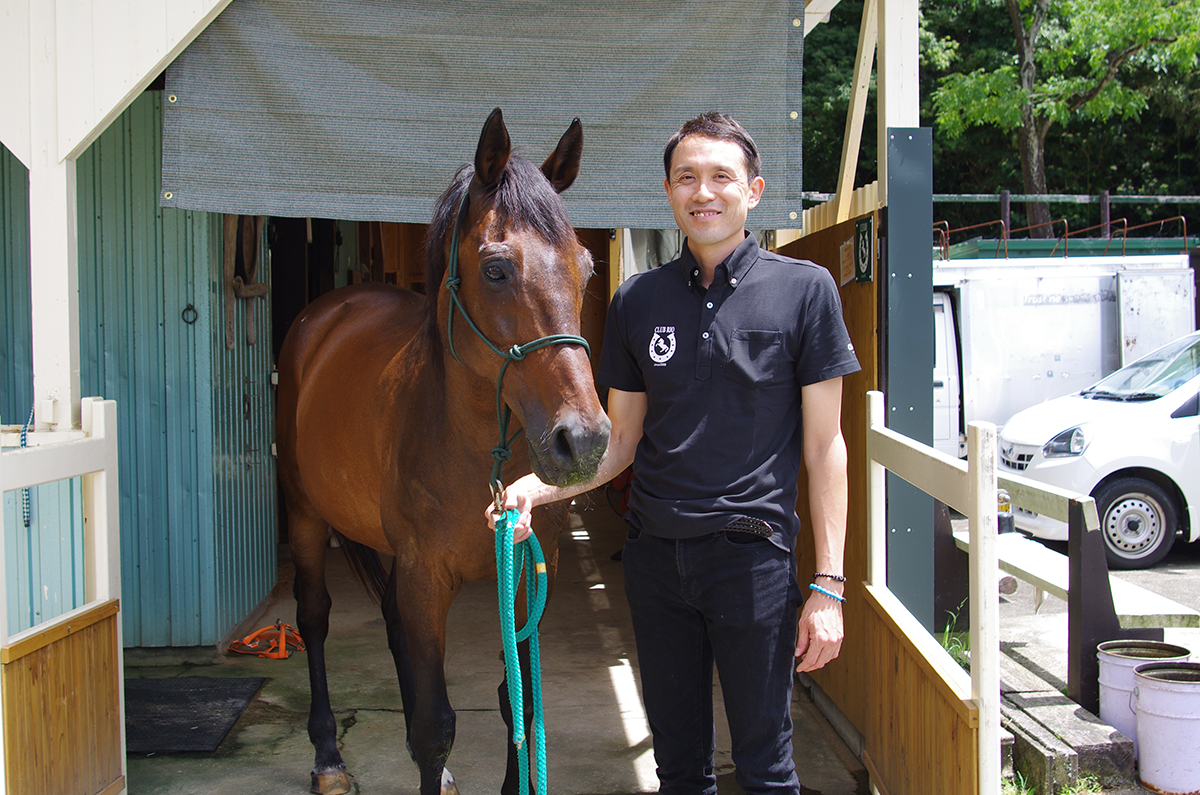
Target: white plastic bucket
[1117,659]
[1168,721]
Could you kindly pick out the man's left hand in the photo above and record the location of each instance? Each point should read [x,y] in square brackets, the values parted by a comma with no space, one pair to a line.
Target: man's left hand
[819,635]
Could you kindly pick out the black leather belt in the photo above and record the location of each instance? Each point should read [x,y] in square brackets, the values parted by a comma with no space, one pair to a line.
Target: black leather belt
[748,524]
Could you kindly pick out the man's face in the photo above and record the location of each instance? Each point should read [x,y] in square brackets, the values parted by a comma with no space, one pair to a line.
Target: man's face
[711,192]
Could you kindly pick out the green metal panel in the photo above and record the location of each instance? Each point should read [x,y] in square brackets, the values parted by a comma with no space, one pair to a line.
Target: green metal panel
[16,355]
[908,360]
[148,315]
[44,561]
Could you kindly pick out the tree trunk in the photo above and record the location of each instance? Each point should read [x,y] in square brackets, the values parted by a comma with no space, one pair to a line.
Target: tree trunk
[1033,174]
[1029,135]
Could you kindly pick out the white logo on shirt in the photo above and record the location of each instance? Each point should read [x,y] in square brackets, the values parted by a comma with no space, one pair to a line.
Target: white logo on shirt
[662,344]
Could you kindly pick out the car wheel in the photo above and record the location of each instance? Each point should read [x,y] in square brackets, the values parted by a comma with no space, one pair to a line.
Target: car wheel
[1138,519]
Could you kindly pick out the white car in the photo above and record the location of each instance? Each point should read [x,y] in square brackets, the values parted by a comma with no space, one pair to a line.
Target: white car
[1131,441]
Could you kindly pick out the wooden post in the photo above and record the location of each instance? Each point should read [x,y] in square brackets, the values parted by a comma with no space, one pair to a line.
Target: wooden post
[1091,616]
[615,266]
[53,236]
[867,35]
[876,499]
[985,604]
[897,81]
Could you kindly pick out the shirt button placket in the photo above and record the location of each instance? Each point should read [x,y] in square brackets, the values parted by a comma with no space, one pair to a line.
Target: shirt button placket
[704,345]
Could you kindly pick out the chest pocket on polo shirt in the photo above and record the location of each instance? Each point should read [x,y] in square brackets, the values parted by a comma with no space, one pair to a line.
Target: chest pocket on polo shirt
[756,358]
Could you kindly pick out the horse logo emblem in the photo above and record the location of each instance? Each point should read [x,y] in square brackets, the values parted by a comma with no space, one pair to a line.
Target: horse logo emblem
[662,344]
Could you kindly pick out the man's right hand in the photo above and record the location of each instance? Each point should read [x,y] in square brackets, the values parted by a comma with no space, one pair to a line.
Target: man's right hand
[515,497]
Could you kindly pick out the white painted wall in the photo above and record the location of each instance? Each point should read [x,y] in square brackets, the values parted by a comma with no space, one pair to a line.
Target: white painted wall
[70,67]
[92,56]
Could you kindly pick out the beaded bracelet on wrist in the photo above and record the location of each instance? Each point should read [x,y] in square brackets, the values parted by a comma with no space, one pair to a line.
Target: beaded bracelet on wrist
[834,577]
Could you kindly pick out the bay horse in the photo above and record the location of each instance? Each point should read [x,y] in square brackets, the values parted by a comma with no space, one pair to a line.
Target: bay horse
[387,411]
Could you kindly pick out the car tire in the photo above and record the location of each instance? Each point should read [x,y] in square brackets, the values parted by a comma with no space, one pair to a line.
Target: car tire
[1139,522]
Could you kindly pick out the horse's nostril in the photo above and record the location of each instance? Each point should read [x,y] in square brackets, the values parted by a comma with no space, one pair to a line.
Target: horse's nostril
[561,445]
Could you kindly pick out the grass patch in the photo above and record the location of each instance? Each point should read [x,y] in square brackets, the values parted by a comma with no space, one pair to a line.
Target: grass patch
[1015,786]
[1086,785]
[957,644]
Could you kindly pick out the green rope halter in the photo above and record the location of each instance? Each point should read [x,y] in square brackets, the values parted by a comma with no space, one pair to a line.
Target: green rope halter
[502,452]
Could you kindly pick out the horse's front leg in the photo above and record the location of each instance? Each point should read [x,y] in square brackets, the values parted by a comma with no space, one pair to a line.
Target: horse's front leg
[308,542]
[425,604]
[404,671]
[512,771]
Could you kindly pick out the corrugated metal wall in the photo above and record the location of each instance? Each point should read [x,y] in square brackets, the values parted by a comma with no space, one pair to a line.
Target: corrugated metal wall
[16,357]
[44,571]
[44,561]
[198,530]
[243,410]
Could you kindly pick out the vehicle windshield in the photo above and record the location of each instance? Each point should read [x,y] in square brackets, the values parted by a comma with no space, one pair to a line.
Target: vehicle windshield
[1152,376]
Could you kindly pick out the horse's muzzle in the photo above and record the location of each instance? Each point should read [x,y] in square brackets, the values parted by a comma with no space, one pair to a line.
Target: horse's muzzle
[571,451]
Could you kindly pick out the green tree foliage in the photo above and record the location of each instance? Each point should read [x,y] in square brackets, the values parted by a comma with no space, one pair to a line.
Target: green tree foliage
[1093,61]
[828,72]
[1137,133]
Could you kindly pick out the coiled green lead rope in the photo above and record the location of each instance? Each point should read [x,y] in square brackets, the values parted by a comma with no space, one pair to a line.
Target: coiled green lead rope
[511,561]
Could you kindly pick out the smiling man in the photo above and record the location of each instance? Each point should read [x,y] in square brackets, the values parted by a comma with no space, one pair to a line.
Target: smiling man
[724,370]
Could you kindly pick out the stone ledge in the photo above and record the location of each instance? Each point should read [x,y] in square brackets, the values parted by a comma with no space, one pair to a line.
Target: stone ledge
[1056,740]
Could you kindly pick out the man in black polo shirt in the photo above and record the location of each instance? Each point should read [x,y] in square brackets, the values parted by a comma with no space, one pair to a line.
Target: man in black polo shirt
[716,362]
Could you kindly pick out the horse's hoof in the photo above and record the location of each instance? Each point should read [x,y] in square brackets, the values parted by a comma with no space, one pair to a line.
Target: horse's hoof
[448,785]
[333,781]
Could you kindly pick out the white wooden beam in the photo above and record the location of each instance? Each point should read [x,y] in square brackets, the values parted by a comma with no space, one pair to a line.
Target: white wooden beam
[53,236]
[985,605]
[897,75]
[71,67]
[816,12]
[859,89]
[971,486]
[112,50]
[15,88]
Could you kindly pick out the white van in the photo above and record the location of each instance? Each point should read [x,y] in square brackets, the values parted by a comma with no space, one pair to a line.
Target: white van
[1131,441]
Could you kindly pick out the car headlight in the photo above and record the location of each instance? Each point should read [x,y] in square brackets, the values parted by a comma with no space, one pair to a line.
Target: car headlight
[1072,441]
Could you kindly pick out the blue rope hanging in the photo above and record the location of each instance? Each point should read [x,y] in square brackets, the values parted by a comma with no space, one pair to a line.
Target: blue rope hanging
[25,492]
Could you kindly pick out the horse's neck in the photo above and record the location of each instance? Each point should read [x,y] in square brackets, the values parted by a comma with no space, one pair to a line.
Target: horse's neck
[469,402]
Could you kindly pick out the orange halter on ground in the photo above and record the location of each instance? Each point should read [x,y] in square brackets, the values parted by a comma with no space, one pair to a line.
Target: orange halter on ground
[277,641]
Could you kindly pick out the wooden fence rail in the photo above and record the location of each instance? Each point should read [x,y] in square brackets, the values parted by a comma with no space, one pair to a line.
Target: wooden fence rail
[937,729]
[62,706]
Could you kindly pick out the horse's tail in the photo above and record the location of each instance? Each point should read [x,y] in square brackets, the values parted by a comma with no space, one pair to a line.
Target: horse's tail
[364,563]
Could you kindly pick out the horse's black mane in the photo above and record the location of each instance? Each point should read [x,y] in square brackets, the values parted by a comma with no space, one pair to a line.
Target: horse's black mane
[523,198]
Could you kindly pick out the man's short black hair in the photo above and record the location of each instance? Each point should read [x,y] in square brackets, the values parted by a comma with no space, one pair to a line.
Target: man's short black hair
[722,127]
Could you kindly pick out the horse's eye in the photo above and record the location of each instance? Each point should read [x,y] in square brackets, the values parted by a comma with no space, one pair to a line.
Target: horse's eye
[494,273]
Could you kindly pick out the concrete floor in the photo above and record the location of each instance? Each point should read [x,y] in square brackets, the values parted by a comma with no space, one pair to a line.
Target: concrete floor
[597,738]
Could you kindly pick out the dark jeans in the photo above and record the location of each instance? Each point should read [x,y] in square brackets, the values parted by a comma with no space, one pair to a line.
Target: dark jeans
[727,598]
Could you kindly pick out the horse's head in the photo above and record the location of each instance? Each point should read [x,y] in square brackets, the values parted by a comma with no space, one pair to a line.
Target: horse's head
[518,273]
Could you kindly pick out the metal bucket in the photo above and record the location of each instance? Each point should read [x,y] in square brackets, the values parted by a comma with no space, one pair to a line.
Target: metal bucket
[1168,721]
[1117,659]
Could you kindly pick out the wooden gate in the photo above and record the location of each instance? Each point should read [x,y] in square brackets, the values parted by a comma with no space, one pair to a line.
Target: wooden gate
[935,729]
[924,725]
[62,710]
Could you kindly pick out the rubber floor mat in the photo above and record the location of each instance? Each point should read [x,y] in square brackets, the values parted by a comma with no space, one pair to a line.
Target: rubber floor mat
[188,713]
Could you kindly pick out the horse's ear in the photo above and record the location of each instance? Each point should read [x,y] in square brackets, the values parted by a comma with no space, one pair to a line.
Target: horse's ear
[562,166]
[491,156]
